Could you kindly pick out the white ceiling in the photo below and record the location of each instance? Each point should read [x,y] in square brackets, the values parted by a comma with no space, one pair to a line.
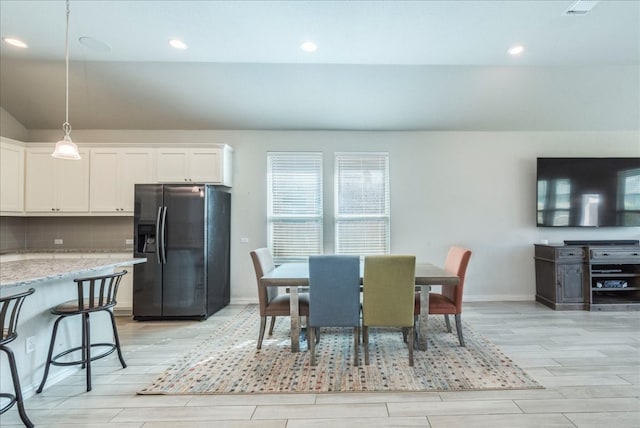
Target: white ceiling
[380,65]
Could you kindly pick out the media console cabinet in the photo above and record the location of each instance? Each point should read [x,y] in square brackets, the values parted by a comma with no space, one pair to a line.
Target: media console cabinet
[596,276]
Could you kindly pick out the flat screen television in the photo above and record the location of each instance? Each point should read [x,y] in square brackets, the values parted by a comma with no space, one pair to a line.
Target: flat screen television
[588,192]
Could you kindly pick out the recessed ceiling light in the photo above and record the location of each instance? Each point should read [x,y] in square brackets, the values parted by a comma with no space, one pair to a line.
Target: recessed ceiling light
[516,50]
[308,47]
[178,44]
[15,42]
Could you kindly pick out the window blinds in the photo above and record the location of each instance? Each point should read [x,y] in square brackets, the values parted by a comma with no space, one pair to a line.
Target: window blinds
[362,203]
[294,205]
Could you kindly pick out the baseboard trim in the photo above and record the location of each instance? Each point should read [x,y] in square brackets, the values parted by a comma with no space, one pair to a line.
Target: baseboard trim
[500,298]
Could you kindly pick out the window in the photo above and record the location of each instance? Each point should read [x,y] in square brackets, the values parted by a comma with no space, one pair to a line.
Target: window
[362,203]
[294,212]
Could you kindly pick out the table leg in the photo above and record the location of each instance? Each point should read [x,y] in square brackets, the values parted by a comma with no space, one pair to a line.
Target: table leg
[295,319]
[423,317]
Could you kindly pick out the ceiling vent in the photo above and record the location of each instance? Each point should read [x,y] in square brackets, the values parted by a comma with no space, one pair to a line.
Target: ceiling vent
[580,7]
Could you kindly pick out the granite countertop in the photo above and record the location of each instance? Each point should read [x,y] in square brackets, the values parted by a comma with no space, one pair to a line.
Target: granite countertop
[68,250]
[32,271]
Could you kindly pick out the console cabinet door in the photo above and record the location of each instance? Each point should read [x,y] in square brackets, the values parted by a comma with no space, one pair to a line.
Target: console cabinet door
[570,283]
[11,179]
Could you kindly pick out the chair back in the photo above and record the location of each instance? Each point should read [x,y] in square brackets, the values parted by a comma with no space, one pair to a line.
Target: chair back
[97,293]
[9,312]
[388,290]
[334,291]
[456,263]
[263,264]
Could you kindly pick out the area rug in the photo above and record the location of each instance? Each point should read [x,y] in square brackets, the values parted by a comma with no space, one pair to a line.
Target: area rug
[228,362]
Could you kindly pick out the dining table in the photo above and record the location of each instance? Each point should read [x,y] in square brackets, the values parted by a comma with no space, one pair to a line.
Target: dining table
[292,276]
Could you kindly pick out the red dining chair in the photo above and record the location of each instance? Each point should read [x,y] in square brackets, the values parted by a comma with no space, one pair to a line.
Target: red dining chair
[449,301]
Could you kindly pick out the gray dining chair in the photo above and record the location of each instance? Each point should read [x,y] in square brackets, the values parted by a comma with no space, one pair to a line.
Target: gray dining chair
[334,298]
[271,303]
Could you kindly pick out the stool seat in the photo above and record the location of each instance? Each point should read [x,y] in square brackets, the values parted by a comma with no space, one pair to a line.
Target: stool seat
[72,307]
[95,294]
[10,307]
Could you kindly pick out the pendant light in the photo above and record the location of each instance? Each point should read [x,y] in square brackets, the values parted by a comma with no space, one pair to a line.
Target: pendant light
[65,148]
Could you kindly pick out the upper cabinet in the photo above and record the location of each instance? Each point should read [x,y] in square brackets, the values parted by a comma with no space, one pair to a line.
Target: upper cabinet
[56,185]
[202,165]
[114,173]
[11,178]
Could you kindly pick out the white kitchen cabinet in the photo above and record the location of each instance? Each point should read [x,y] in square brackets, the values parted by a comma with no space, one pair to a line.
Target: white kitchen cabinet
[114,173]
[202,165]
[11,178]
[56,186]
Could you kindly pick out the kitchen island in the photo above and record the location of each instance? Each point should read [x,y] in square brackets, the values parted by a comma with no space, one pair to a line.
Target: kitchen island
[52,278]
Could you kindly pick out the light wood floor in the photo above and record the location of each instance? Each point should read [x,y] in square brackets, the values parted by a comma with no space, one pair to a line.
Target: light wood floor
[588,362]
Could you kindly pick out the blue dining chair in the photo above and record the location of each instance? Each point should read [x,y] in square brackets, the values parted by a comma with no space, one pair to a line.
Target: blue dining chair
[334,297]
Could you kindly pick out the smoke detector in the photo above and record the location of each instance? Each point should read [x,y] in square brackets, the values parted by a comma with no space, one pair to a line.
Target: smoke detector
[580,7]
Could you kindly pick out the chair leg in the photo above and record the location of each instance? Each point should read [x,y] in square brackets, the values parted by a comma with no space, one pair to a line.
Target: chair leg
[87,341]
[356,342]
[365,343]
[404,334]
[273,323]
[16,386]
[117,339]
[312,344]
[50,354]
[446,320]
[410,345]
[459,328]
[263,324]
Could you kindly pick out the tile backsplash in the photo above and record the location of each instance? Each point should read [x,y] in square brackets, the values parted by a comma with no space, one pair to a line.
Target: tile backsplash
[75,233]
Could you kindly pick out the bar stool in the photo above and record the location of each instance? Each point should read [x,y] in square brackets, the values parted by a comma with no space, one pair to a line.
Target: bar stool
[95,294]
[9,312]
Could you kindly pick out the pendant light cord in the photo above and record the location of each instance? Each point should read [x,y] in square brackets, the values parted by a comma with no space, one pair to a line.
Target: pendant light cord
[66,127]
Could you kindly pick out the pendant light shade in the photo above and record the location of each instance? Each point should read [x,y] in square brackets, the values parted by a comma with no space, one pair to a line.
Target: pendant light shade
[65,148]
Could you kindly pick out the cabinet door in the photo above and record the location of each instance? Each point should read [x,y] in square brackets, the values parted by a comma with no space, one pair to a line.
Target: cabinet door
[571,283]
[173,165]
[204,165]
[40,185]
[104,180]
[136,167]
[72,183]
[11,178]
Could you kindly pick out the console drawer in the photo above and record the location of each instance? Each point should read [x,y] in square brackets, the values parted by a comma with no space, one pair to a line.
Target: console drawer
[570,253]
[613,253]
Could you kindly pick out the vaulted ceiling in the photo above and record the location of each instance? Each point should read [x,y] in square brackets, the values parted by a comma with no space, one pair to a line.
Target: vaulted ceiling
[380,65]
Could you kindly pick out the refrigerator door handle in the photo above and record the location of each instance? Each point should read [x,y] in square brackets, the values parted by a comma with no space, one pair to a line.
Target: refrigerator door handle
[163,239]
[158,216]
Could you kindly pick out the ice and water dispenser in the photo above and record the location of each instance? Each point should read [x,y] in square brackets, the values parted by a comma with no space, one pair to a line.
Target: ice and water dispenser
[146,238]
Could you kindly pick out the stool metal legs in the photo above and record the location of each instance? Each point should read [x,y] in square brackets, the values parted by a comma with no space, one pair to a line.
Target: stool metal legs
[17,398]
[85,349]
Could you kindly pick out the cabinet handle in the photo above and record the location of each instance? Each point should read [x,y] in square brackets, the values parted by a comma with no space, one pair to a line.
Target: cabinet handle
[571,254]
[53,209]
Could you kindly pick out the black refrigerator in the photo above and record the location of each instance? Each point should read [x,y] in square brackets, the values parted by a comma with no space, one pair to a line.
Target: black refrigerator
[184,232]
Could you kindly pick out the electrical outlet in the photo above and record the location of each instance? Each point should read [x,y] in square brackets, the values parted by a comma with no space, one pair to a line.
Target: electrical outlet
[128,241]
[58,241]
[30,344]
[244,240]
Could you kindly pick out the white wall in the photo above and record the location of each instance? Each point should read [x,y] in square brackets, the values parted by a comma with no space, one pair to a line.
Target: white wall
[475,189]
[10,127]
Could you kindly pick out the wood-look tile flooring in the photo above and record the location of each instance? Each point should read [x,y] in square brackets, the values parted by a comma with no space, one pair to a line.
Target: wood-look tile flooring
[588,362]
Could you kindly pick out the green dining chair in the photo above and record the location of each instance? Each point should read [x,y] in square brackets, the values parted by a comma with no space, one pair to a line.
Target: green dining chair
[387,297]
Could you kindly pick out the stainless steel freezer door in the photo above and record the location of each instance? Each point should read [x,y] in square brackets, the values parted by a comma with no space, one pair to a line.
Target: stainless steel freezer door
[147,277]
[183,287]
